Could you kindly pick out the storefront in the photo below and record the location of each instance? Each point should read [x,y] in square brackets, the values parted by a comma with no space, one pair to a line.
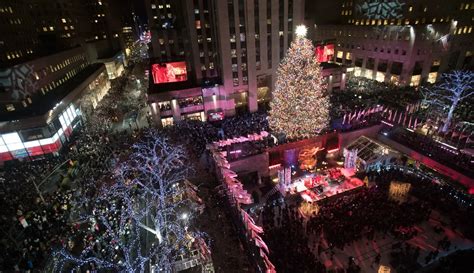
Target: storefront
[38,141]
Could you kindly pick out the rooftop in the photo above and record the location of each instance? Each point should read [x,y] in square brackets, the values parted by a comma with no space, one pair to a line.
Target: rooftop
[43,103]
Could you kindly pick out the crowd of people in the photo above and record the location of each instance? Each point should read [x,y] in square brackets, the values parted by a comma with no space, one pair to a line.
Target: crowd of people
[363,213]
[35,228]
[36,224]
[428,146]
[190,101]
[196,134]
[29,224]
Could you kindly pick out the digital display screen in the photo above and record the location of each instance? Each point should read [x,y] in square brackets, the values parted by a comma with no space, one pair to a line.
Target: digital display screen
[169,72]
[324,53]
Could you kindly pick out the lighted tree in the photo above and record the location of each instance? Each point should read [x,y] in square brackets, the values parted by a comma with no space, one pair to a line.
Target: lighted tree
[300,103]
[145,218]
[452,89]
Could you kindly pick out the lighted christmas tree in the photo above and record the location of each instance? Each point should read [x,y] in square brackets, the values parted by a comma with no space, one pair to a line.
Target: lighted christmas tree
[300,103]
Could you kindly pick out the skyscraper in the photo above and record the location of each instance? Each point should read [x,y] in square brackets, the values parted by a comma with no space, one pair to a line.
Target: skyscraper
[402,42]
[235,44]
[48,74]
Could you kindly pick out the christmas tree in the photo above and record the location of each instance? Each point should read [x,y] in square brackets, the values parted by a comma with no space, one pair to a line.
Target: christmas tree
[300,103]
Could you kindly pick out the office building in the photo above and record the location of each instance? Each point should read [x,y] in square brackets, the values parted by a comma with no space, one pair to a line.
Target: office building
[401,42]
[49,74]
[230,49]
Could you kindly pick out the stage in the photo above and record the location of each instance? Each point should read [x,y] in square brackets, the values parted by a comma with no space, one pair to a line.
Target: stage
[318,186]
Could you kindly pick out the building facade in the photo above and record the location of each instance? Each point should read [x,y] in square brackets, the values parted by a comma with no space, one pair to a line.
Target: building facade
[45,129]
[231,50]
[49,54]
[401,42]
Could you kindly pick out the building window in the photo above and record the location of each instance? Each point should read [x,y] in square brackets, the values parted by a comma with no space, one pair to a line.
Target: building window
[10,107]
[432,77]
[415,80]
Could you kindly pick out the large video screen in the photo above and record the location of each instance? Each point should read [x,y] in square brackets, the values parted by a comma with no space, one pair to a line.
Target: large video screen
[324,53]
[169,72]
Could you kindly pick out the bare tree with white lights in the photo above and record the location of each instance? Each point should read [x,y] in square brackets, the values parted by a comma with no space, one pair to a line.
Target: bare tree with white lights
[148,197]
[452,89]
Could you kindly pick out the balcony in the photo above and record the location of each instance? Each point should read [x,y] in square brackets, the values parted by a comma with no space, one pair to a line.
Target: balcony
[192,108]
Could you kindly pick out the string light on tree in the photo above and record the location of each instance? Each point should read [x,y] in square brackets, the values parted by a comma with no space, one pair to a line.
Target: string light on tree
[300,103]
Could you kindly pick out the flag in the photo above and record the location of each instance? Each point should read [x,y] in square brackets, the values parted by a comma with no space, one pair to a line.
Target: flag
[468,140]
[268,264]
[255,228]
[455,134]
[444,41]
[261,244]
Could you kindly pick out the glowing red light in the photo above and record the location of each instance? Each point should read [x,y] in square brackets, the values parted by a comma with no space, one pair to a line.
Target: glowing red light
[169,72]
[324,53]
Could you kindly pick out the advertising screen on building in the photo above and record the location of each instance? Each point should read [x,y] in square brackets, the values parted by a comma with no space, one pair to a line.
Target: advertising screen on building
[215,116]
[169,72]
[324,53]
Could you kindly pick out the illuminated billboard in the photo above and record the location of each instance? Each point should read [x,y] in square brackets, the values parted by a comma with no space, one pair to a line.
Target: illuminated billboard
[169,72]
[13,147]
[324,53]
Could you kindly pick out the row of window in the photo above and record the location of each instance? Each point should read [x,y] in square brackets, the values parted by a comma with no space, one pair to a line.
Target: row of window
[17,54]
[398,22]
[466,6]
[6,10]
[168,6]
[27,101]
[463,30]
[62,80]
[15,21]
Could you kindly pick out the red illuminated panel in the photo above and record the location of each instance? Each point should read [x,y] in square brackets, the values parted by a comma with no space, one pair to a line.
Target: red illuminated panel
[169,72]
[5,156]
[51,148]
[324,53]
[34,151]
[68,131]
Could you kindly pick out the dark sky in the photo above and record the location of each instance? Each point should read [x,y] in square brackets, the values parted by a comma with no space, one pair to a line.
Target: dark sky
[323,11]
[140,10]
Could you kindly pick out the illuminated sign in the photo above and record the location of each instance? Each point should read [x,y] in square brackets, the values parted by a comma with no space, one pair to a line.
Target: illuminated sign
[11,145]
[169,72]
[216,116]
[324,53]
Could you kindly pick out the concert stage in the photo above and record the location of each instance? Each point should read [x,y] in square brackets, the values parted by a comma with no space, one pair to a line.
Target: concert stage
[318,186]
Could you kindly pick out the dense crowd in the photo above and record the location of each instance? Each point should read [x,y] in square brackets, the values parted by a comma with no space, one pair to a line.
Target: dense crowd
[428,146]
[35,227]
[195,134]
[361,93]
[293,242]
[95,148]
[29,224]
[190,101]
